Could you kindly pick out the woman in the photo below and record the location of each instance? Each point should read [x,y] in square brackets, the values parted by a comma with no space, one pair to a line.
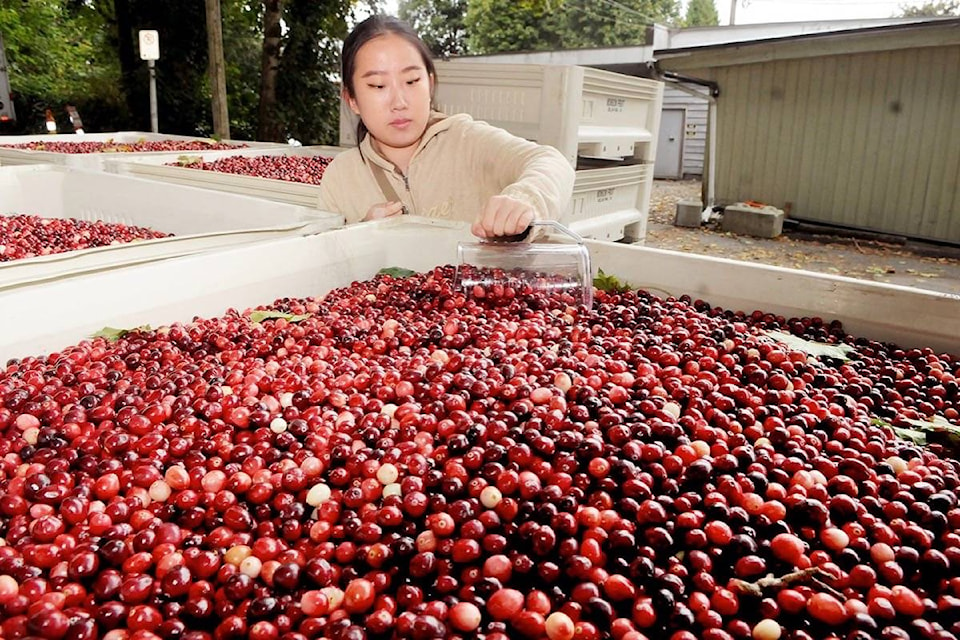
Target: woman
[411,159]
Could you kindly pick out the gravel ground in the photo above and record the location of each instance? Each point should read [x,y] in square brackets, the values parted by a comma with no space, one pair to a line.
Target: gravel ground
[911,264]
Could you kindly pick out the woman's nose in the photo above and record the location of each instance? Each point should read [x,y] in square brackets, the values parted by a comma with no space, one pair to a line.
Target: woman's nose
[399,99]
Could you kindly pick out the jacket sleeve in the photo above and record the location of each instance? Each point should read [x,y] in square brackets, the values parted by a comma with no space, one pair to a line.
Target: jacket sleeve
[340,188]
[536,174]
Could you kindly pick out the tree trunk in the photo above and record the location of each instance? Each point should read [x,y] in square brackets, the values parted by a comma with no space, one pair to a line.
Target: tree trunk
[268,128]
[130,63]
[217,70]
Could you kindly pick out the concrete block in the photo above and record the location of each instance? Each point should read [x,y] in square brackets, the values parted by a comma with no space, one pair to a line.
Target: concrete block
[688,213]
[762,222]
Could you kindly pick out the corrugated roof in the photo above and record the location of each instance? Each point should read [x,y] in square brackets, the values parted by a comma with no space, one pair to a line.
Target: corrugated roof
[932,32]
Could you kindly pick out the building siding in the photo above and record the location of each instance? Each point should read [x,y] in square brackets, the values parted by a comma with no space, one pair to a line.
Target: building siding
[866,140]
[695,136]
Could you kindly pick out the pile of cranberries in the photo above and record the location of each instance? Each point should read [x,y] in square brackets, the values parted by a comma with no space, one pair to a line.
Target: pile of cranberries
[306,169]
[28,236]
[410,462]
[110,146]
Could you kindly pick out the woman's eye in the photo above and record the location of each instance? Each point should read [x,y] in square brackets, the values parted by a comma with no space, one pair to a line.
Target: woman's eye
[413,81]
[375,86]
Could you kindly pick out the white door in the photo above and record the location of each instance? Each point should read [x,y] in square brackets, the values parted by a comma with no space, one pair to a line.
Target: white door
[670,144]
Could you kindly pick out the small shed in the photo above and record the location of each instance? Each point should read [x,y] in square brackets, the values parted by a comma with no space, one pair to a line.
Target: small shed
[857,129]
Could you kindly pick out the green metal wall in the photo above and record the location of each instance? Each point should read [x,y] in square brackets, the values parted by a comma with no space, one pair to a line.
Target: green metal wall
[867,140]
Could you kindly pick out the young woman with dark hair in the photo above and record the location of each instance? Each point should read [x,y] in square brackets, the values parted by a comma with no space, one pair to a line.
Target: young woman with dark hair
[412,159]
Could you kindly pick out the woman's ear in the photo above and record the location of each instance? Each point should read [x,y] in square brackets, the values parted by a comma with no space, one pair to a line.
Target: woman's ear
[350,100]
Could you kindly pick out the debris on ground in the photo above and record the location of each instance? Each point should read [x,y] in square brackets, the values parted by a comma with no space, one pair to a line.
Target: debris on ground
[864,259]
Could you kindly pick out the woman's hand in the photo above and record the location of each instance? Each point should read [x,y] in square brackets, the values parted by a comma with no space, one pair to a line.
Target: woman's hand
[384,210]
[503,216]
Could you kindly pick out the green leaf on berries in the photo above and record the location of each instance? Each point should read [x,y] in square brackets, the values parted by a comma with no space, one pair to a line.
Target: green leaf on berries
[186,161]
[936,423]
[610,283]
[396,272]
[112,334]
[815,349]
[261,315]
[937,430]
[911,435]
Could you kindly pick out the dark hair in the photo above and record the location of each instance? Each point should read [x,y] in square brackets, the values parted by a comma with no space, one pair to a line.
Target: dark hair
[373,27]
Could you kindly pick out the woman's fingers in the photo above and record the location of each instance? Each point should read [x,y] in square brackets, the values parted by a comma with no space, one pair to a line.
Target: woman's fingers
[503,216]
[384,210]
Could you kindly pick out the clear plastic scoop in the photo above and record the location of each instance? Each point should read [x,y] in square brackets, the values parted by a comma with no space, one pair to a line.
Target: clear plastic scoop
[486,268]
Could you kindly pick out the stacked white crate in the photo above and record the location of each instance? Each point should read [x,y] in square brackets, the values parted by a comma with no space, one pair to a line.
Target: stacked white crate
[97,161]
[594,117]
[158,168]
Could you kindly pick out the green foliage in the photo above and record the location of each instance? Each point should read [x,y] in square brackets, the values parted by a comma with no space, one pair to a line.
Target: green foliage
[933,9]
[441,24]
[502,25]
[308,93]
[701,13]
[55,52]
[85,53]
[270,314]
[505,25]
[241,43]
[396,272]
[608,282]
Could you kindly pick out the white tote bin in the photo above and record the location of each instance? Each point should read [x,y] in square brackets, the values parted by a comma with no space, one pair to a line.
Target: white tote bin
[9,156]
[611,203]
[297,193]
[210,283]
[580,111]
[199,219]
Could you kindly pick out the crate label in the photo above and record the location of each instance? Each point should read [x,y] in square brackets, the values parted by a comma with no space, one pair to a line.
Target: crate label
[616,105]
[603,195]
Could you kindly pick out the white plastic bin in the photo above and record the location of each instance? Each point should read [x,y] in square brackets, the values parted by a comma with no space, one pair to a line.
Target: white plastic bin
[580,111]
[9,156]
[199,219]
[210,283]
[296,193]
[611,203]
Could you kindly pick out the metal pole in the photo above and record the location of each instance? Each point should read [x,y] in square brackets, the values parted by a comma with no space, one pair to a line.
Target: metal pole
[733,12]
[154,126]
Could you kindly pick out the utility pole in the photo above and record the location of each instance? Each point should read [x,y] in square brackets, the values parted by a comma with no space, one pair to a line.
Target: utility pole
[733,12]
[217,70]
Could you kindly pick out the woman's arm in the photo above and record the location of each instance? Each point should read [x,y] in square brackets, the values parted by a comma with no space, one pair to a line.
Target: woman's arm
[345,189]
[535,181]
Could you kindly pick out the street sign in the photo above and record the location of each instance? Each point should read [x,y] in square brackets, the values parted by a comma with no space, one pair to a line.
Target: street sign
[149,45]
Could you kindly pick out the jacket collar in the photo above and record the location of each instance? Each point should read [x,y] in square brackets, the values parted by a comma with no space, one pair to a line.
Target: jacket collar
[437,123]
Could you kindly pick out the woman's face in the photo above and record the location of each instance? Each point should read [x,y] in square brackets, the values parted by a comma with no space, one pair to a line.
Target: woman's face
[391,91]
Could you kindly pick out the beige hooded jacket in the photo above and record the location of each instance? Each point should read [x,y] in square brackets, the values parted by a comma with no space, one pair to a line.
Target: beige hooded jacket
[459,164]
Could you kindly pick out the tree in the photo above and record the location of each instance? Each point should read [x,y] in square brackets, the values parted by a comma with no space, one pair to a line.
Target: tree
[701,13]
[502,25]
[308,90]
[268,127]
[85,52]
[933,9]
[55,52]
[183,90]
[243,38]
[441,24]
[217,69]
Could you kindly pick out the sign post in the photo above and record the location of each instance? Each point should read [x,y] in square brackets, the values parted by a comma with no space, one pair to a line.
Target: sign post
[150,51]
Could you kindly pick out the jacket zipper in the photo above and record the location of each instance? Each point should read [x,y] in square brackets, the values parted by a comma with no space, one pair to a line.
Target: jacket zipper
[406,185]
